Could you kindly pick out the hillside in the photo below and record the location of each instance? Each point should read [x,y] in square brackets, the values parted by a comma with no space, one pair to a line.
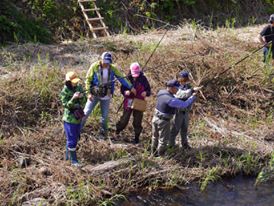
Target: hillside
[49,21]
[231,128]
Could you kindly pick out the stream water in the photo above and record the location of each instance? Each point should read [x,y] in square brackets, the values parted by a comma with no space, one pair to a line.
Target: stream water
[238,191]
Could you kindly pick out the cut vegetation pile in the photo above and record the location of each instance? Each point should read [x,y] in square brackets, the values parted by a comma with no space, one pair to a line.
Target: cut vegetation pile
[231,128]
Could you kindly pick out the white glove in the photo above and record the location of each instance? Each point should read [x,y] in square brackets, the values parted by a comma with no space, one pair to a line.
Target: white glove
[197,88]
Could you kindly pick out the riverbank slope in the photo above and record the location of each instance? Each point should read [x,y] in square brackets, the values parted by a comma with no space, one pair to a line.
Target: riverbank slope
[231,129]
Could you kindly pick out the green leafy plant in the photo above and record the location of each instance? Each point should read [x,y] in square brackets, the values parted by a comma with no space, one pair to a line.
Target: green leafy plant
[267,173]
[211,176]
[249,163]
[80,194]
[118,154]
[175,178]
[200,156]
[112,201]
[230,23]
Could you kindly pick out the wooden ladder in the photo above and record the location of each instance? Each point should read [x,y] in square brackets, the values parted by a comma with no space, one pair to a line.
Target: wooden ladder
[93,18]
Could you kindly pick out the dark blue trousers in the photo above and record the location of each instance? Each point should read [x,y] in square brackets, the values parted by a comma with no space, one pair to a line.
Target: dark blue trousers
[72,132]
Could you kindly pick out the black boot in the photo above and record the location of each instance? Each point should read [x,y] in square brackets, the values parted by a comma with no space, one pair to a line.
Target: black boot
[103,134]
[186,146]
[136,139]
[118,134]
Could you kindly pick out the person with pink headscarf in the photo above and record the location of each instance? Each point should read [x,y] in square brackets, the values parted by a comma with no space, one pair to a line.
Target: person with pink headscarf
[143,90]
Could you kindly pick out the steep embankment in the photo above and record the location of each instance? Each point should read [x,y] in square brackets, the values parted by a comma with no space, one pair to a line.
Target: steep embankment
[54,20]
[231,128]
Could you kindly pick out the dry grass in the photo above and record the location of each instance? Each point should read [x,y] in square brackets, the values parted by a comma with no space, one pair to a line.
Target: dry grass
[228,128]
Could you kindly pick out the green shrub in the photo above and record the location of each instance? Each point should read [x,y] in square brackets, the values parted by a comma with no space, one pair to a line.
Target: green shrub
[48,20]
[16,27]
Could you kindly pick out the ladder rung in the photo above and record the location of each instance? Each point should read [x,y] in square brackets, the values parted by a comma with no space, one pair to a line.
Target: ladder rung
[86,1]
[96,19]
[97,9]
[99,28]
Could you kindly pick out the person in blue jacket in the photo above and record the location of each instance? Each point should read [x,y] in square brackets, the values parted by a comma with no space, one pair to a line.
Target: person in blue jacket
[165,110]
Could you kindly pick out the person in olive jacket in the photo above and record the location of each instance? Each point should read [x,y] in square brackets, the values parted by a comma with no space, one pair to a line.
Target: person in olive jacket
[73,100]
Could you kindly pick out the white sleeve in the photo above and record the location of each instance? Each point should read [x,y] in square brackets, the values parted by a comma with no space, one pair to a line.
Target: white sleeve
[183,94]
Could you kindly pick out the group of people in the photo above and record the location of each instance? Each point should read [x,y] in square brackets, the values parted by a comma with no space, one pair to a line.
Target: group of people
[171,114]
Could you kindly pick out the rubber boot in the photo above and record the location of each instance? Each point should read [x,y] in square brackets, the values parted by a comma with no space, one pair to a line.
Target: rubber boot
[103,134]
[67,153]
[136,139]
[161,150]
[73,158]
[154,145]
[184,143]
[186,146]
[117,136]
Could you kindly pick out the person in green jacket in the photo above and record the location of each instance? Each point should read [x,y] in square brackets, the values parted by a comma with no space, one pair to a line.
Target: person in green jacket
[73,100]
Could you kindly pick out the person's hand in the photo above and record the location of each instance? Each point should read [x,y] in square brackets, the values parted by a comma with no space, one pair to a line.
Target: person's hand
[144,94]
[195,89]
[77,95]
[127,92]
[133,90]
[194,94]
[90,97]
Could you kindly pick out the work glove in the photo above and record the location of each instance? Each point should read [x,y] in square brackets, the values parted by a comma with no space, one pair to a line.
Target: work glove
[133,91]
[90,97]
[127,92]
[144,94]
[195,89]
[77,95]
[94,91]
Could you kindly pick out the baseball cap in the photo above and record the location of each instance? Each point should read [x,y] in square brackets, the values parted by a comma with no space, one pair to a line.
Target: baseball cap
[135,69]
[184,74]
[73,77]
[106,57]
[271,18]
[173,83]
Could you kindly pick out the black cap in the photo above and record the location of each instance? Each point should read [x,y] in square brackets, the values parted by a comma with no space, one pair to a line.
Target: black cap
[173,83]
[184,74]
